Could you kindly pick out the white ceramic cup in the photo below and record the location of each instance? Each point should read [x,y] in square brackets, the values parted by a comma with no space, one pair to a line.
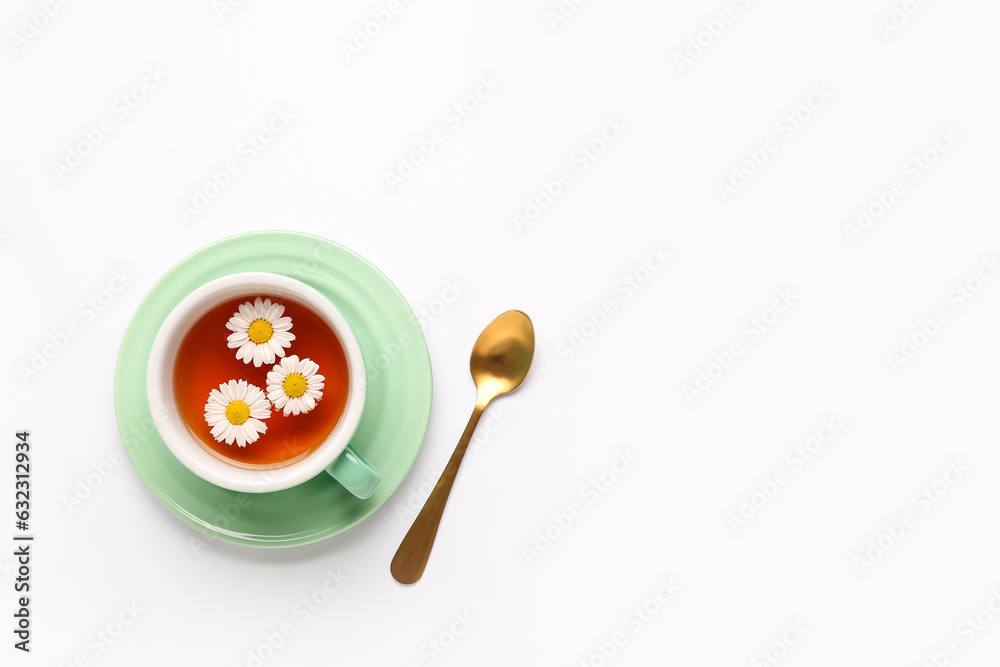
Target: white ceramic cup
[334,455]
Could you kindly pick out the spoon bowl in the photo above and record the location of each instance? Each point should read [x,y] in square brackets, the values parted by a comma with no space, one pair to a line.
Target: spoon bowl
[502,355]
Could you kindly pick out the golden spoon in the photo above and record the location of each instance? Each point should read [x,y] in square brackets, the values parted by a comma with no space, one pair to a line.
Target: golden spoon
[500,360]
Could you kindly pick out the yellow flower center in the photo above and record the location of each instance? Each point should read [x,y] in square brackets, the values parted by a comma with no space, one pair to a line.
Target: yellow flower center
[295,384]
[237,412]
[260,331]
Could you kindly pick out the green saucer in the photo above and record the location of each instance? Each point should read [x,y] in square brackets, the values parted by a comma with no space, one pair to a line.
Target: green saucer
[397,403]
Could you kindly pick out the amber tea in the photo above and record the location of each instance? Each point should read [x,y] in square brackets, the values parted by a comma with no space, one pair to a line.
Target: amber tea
[205,360]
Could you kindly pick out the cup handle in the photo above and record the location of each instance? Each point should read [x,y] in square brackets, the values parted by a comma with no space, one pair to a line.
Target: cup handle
[355,472]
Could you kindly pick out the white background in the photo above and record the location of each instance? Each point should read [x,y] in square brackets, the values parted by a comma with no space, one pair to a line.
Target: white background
[687,125]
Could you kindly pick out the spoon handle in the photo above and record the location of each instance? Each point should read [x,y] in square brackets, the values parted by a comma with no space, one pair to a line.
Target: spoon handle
[411,556]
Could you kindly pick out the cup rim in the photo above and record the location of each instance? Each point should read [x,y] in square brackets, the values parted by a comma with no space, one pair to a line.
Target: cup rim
[177,435]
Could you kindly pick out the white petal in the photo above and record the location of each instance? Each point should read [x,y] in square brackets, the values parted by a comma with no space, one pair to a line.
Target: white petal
[237,323]
[309,401]
[267,354]
[281,339]
[261,405]
[245,353]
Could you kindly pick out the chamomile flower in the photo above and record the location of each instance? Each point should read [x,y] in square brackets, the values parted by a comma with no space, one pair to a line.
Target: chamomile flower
[235,410]
[294,385]
[260,332]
